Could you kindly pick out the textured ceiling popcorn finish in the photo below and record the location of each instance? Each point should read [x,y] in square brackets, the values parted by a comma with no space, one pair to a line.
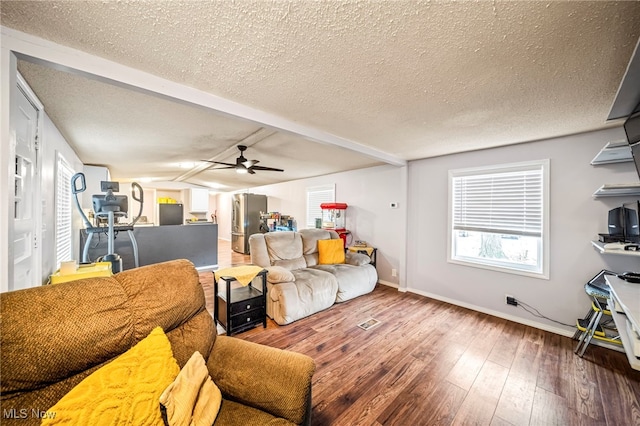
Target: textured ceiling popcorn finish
[410,78]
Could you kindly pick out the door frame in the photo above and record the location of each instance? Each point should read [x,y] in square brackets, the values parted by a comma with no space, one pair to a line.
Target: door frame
[10,83]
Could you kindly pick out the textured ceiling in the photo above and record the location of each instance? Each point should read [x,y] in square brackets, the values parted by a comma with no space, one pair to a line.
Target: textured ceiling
[410,78]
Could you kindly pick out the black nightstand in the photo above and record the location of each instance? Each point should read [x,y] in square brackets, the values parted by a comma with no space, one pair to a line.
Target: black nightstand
[241,308]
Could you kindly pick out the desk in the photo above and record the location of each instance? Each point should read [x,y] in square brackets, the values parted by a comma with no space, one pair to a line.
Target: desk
[627,298]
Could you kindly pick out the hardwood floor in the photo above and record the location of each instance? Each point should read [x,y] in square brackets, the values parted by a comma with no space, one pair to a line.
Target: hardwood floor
[228,257]
[432,363]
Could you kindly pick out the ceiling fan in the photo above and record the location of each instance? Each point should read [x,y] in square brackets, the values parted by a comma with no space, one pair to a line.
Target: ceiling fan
[243,165]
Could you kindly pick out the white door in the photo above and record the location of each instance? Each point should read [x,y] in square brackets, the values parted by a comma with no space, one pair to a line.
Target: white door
[24,121]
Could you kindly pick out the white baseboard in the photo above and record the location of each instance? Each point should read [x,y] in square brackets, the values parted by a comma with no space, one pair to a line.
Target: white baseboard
[519,320]
[388,283]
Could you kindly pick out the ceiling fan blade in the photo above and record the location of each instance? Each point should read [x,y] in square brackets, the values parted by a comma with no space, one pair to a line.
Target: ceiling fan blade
[251,172]
[250,163]
[271,169]
[219,162]
[222,168]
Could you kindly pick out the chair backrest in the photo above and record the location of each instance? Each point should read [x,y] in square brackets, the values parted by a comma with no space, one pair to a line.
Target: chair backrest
[310,239]
[289,249]
[54,336]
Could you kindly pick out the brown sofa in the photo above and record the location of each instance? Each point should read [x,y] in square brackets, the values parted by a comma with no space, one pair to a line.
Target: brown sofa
[54,336]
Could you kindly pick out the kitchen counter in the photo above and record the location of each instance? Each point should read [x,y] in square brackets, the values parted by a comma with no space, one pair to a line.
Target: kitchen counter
[199,244]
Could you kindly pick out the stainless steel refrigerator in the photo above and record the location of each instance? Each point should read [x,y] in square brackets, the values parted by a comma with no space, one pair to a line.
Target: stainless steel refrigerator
[245,219]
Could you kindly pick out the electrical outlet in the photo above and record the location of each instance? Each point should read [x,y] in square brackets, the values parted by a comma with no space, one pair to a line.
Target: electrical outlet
[394,272]
[510,300]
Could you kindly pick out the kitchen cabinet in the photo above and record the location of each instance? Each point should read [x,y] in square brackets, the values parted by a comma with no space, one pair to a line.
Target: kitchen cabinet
[198,200]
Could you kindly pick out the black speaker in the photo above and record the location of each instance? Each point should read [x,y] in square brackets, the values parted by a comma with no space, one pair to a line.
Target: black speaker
[616,222]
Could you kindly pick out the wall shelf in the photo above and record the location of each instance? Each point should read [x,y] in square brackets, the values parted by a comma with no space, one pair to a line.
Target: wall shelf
[613,152]
[601,247]
[618,190]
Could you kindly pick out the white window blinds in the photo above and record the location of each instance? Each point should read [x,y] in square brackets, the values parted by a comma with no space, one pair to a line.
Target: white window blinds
[63,211]
[503,202]
[316,196]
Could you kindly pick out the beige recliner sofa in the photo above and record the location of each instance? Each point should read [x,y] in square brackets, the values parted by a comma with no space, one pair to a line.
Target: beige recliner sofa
[297,286]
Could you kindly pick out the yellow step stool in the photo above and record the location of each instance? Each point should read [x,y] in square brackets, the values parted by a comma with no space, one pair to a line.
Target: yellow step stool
[98,269]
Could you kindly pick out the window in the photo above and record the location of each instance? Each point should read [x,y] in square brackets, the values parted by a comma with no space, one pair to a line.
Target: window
[63,211]
[316,196]
[499,217]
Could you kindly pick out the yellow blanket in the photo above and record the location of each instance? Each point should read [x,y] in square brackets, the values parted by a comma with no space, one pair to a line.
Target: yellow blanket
[243,273]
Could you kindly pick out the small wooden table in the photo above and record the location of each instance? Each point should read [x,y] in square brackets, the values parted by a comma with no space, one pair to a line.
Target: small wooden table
[239,308]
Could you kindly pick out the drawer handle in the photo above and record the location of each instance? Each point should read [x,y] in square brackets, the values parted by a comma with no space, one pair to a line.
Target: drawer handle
[248,306]
[248,319]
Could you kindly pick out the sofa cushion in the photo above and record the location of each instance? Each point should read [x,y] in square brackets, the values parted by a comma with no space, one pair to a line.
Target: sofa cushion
[312,291]
[285,249]
[57,323]
[310,238]
[150,290]
[124,391]
[352,280]
[330,252]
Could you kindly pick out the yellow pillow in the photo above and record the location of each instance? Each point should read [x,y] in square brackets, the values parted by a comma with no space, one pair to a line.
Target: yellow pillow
[192,399]
[125,391]
[330,251]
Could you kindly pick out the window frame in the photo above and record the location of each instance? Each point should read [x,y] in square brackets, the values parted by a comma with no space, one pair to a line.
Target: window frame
[543,271]
[63,195]
[329,190]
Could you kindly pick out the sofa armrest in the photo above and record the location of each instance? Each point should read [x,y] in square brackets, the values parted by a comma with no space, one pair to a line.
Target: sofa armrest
[356,259]
[273,380]
[278,274]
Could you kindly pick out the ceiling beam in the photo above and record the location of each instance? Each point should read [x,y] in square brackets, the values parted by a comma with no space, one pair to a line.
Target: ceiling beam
[38,50]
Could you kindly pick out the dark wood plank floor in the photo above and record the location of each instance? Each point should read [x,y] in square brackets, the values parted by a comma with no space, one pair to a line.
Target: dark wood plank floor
[432,363]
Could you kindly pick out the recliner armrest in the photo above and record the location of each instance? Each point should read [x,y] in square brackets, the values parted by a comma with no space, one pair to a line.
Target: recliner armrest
[278,274]
[273,380]
[356,259]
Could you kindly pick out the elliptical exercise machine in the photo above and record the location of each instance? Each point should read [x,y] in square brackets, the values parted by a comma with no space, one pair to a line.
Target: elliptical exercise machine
[109,206]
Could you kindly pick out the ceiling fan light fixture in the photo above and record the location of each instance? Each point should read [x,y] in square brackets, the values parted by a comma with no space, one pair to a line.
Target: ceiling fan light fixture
[242,170]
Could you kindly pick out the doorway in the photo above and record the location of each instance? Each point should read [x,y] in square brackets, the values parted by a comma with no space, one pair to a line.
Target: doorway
[24,261]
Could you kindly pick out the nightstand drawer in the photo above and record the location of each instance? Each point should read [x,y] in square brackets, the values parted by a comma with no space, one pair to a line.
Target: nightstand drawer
[252,317]
[247,305]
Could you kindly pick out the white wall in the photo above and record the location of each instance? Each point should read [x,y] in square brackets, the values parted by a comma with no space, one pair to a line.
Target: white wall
[52,143]
[368,193]
[223,205]
[576,218]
